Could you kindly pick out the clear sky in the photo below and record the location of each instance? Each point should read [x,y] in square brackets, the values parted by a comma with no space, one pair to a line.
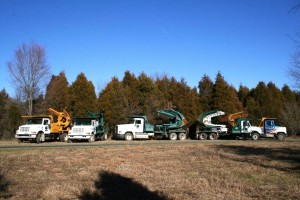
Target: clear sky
[247,40]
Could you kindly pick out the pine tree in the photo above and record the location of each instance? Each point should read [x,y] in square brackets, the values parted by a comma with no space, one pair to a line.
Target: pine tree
[113,100]
[261,96]
[57,93]
[185,99]
[225,97]
[275,103]
[289,95]
[206,87]
[83,96]
[130,84]
[243,94]
[163,84]
[10,116]
[148,96]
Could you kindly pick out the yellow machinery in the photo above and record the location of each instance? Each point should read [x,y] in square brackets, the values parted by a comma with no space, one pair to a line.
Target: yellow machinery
[63,124]
[231,118]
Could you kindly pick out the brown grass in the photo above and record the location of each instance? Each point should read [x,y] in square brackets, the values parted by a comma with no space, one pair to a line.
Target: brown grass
[222,170]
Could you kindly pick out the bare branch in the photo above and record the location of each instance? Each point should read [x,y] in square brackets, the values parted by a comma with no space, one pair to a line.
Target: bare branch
[29,71]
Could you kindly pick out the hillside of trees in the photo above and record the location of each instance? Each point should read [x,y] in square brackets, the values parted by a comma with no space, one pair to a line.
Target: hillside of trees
[143,94]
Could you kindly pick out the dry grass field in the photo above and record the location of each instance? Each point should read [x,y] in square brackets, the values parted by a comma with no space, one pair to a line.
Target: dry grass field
[222,170]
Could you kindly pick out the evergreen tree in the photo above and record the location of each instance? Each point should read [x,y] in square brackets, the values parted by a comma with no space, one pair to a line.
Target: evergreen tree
[163,84]
[83,96]
[225,97]
[243,94]
[269,100]
[130,85]
[276,101]
[261,96]
[206,87]
[10,116]
[57,93]
[289,95]
[148,96]
[185,99]
[113,100]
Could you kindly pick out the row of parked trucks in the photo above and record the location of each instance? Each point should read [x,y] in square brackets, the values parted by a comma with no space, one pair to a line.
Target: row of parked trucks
[58,126]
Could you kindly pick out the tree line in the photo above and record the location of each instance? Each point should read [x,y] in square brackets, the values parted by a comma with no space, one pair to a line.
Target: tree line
[145,95]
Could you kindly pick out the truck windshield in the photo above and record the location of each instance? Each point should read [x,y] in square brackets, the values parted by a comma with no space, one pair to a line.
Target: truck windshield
[83,121]
[34,121]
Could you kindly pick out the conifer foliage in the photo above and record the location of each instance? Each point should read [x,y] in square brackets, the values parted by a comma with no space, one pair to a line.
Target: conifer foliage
[57,93]
[83,96]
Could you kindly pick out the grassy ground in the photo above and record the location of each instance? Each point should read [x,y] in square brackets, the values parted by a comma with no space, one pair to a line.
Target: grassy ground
[230,170]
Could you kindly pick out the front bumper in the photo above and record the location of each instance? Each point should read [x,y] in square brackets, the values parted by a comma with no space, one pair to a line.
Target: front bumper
[25,136]
[79,137]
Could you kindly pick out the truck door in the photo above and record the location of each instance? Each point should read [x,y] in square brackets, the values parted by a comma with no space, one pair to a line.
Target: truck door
[269,127]
[244,126]
[138,126]
[46,126]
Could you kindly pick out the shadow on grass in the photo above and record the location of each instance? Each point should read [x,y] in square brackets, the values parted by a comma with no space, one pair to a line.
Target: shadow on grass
[114,186]
[4,194]
[286,155]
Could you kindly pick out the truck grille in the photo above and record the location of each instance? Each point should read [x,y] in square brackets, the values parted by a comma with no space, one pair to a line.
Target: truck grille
[24,129]
[78,130]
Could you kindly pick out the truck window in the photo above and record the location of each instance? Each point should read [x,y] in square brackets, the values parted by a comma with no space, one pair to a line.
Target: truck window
[138,122]
[46,122]
[34,121]
[269,123]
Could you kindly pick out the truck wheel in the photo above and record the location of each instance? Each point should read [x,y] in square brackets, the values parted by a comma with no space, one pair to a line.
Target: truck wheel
[103,137]
[172,136]
[20,141]
[92,139]
[128,136]
[38,138]
[280,136]
[212,136]
[202,136]
[181,136]
[63,137]
[70,141]
[255,136]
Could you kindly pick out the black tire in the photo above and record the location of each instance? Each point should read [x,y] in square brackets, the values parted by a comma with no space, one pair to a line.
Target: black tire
[92,139]
[103,137]
[255,136]
[128,137]
[202,136]
[70,141]
[20,141]
[212,136]
[172,136]
[280,136]
[38,138]
[181,136]
[63,137]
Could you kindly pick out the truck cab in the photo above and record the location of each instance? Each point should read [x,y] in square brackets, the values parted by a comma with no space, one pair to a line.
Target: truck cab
[83,129]
[137,128]
[266,129]
[244,129]
[36,128]
[271,130]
